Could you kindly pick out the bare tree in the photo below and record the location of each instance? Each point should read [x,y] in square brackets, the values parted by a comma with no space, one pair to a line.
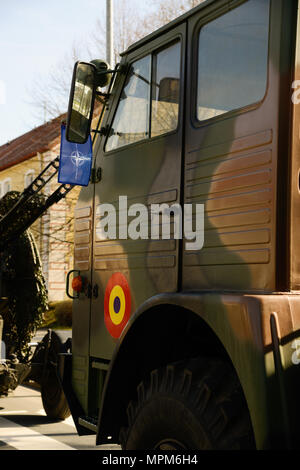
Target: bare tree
[166,11]
[50,97]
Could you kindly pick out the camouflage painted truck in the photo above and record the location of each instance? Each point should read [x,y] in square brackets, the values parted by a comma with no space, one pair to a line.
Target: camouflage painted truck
[176,348]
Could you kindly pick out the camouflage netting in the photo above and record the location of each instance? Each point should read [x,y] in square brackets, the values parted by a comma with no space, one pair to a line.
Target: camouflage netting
[22,281]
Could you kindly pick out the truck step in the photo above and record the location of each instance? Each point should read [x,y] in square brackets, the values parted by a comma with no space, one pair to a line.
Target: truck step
[89,422]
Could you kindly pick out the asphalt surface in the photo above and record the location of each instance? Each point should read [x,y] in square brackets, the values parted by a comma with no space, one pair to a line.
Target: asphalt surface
[25,426]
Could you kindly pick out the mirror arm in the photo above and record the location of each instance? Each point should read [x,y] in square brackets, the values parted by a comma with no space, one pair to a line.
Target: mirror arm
[122,68]
[119,69]
[103,98]
[104,131]
[103,95]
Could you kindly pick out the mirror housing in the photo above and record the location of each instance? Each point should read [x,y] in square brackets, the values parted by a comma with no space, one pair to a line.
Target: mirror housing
[81,102]
[87,77]
[103,75]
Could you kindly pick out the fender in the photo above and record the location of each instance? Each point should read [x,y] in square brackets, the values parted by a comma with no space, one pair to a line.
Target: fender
[240,323]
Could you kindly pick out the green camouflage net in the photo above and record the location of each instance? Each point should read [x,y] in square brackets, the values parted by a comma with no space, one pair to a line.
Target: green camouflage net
[22,217]
[23,282]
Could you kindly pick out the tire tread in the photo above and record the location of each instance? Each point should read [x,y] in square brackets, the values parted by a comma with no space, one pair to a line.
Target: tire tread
[210,389]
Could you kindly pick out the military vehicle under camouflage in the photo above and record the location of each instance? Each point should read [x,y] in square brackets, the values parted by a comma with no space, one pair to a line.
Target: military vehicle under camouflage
[192,349]
[23,296]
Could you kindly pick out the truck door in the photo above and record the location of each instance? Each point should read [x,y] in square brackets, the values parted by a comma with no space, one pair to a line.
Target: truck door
[140,160]
[231,143]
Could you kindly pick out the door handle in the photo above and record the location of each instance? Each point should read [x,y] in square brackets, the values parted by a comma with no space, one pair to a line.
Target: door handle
[88,291]
[95,291]
[91,291]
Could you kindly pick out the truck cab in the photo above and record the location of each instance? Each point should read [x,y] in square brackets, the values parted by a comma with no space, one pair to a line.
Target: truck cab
[179,345]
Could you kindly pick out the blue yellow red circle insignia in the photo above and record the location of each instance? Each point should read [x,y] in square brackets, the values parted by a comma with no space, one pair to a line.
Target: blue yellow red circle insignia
[117,304]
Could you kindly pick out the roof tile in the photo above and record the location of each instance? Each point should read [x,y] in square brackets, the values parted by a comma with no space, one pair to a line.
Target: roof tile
[38,140]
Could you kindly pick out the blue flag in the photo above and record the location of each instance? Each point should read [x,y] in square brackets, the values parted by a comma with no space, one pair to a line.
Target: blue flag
[75,162]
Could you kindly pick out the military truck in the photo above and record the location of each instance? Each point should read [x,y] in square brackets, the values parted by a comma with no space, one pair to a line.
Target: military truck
[177,349]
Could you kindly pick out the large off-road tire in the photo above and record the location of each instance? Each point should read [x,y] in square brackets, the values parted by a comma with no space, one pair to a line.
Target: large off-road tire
[53,397]
[196,405]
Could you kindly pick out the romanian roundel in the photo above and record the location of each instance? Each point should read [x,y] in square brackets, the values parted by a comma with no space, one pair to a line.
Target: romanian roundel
[117,304]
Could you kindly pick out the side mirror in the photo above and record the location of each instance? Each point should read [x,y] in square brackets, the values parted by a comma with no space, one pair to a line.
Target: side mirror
[87,77]
[81,102]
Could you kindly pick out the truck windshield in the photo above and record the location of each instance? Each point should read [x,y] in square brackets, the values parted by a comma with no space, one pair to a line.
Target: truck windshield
[152,83]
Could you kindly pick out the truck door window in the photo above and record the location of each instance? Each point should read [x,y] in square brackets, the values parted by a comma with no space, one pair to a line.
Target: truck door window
[152,83]
[131,122]
[166,90]
[233,60]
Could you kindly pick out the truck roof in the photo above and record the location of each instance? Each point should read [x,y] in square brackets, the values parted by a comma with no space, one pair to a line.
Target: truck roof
[168,26]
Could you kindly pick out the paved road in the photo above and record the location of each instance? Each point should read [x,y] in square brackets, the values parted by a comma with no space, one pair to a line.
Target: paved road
[25,426]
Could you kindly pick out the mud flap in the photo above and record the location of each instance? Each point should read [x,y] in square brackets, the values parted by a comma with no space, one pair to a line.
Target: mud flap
[64,372]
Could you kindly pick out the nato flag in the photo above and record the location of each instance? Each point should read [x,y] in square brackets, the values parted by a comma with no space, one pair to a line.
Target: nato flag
[75,162]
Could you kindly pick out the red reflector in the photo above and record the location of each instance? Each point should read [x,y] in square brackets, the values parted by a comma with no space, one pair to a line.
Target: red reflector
[77,284]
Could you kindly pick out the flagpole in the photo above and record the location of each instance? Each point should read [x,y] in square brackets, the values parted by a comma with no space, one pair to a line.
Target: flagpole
[109,33]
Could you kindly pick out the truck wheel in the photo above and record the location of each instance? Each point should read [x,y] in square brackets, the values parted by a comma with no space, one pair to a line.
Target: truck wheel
[53,397]
[197,405]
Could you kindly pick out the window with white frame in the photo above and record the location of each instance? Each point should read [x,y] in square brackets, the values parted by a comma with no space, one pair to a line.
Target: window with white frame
[29,177]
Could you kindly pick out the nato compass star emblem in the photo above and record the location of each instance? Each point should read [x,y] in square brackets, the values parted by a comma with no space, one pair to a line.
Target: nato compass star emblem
[78,159]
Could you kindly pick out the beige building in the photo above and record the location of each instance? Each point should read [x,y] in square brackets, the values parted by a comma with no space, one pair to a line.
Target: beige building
[21,160]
